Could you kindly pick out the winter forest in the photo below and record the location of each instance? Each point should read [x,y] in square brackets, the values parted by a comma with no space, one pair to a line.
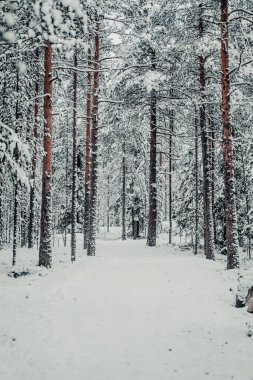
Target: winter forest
[126,189]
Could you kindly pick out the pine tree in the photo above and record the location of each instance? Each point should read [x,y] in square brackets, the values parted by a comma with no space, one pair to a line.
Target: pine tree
[87,184]
[207,187]
[74,165]
[231,218]
[45,251]
[34,162]
[94,141]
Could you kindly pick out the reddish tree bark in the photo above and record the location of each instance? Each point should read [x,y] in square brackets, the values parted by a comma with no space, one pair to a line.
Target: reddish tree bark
[231,221]
[45,250]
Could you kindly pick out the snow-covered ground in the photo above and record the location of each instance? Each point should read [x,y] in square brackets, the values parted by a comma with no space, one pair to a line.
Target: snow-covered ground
[130,313]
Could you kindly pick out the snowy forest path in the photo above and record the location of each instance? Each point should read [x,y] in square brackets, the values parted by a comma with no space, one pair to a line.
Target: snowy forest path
[131,313]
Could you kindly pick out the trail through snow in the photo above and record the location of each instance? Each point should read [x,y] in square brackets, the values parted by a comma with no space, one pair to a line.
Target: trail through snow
[130,313]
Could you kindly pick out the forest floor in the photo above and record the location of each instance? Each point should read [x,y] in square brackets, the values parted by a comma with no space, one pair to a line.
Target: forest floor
[130,313]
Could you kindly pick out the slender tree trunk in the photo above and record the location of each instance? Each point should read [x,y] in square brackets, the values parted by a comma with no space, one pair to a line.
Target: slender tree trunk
[136,228]
[124,234]
[136,218]
[196,186]
[66,196]
[207,189]
[172,115]
[152,217]
[166,196]
[1,212]
[247,200]
[231,218]
[66,186]
[94,141]
[74,166]
[23,230]
[34,163]
[16,186]
[160,205]
[45,250]
[15,225]
[108,204]
[87,185]
[212,157]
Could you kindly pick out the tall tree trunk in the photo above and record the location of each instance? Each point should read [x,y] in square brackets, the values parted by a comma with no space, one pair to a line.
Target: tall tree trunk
[45,250]
[15,225]
[196,186]
[212,166]
[166,195]
[34,162]
[16,186]
[231,218]
[94,141]
[108,205]
[66,219]
[66,196]
[74,166]
[124,234]
[152,216]
[207,186]
[1,212]
[87,185]
[172,115]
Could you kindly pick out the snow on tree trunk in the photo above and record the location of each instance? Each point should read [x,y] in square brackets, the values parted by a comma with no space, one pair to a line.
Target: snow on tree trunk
[45,249]
[108,205]
[15,225]
[87,185]
[124,192]
[1,211]
[66,192]
[34,163]
[152,215]
[196,185]
[16,186]
[231,217]
[74,166]
[94,141]
[172,116]
[207,185]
